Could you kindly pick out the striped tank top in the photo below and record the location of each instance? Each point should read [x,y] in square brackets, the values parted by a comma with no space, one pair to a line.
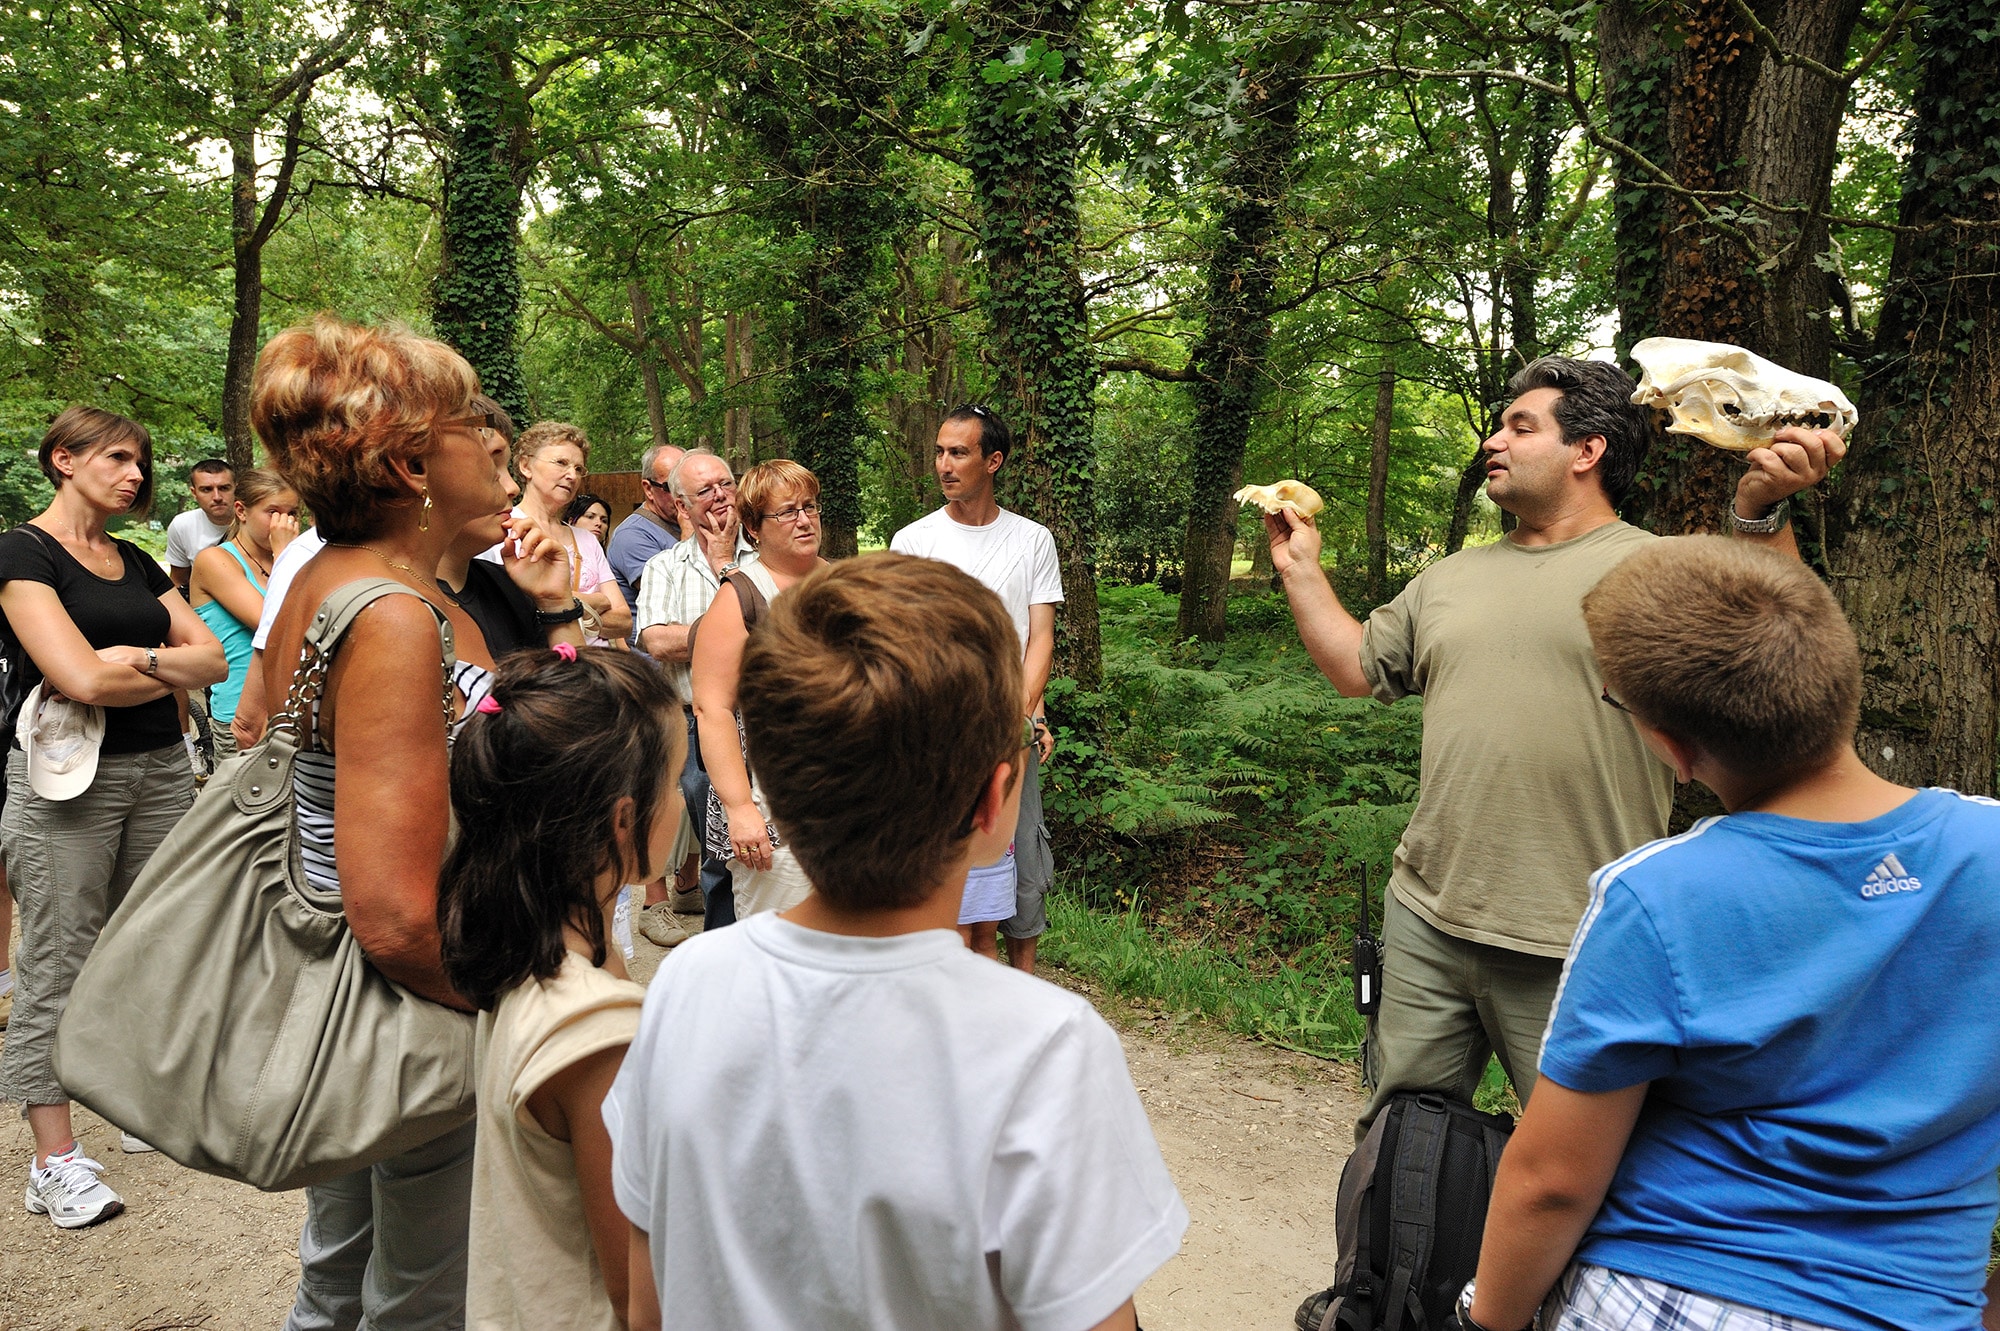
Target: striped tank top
[312,785]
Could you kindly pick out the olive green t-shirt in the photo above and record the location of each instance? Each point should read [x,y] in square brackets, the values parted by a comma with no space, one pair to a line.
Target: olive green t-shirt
[1530,782]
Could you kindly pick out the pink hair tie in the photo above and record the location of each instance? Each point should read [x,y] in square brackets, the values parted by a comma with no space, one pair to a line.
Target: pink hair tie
[487,705]
[565,651]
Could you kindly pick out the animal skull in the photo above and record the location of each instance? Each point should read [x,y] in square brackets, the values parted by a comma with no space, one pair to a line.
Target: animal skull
[1731,398]
[1295,495]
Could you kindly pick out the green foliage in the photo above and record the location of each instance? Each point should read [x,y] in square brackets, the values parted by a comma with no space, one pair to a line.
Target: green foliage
[1306,1003]
[1234,795]
[477,304]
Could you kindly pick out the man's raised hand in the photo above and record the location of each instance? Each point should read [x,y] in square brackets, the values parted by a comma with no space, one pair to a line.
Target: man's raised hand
[1796,459]
[1294,540]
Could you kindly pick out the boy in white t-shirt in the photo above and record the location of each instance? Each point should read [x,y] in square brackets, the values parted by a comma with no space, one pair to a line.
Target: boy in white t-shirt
[916,1138]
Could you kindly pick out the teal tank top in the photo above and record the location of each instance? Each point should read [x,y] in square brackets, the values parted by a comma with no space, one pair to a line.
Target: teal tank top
[235,636]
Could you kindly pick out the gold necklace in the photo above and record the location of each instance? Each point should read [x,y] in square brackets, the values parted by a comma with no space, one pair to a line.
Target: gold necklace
[390,562]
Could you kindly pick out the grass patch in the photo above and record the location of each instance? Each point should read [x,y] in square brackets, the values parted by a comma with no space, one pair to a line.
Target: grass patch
[1302,1007]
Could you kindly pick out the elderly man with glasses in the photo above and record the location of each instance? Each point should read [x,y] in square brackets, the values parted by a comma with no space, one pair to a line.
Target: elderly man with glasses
[674,592]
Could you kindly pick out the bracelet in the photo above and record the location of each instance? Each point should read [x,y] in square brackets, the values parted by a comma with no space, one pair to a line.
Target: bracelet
[152,661]
[1764,526]
[550,618]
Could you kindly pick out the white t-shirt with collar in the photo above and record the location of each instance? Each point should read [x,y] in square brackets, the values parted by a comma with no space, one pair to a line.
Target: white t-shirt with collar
[1012,555]
[915,1137]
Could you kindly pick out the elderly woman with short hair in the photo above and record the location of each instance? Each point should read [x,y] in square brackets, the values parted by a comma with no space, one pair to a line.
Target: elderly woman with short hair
[91,621]
[778,505]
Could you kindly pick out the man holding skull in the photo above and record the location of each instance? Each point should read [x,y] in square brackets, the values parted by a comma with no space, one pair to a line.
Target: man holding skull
[1530,781]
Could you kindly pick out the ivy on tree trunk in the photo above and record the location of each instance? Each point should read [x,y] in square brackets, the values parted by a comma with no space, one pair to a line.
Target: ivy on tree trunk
[476,303]
[1916,568]
[1737,118]
[1231,362]
[1021,148]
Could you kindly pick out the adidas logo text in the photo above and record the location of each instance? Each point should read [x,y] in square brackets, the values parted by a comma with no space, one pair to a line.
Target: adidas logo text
[1890,877]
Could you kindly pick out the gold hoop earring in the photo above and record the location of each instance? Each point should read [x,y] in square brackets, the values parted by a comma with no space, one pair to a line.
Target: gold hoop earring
[424,512]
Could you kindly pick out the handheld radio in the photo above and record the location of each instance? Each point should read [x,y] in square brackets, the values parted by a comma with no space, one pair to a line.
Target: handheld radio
[1367,958]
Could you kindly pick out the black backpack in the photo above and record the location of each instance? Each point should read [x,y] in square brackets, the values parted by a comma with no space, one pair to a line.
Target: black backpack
[1408,1221]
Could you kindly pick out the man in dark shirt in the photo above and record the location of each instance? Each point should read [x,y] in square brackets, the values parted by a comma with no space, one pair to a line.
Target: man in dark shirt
[652,527]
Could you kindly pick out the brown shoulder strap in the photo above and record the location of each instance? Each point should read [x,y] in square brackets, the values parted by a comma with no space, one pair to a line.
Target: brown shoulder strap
[751,597]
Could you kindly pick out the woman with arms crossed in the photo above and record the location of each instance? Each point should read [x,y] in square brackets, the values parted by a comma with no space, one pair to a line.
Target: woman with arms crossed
[92,619]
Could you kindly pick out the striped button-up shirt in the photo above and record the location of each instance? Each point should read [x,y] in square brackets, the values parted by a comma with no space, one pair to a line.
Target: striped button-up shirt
[676,588]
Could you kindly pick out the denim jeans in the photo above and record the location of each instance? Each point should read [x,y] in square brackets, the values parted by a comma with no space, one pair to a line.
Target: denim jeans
[718,894]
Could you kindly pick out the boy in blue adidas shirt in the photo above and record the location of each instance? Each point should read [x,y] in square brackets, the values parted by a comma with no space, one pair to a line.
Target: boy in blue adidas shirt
[1770,1091]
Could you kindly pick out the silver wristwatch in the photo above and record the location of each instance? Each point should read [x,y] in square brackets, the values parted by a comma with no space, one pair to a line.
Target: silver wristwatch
[1764,526]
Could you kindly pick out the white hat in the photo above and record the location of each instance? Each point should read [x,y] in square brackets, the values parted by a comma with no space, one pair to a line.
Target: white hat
[61,738]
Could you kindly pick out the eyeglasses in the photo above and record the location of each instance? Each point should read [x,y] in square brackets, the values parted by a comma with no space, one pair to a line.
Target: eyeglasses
[714,488]
[485,422]
[1606,697]
[794,513]
[1027,742]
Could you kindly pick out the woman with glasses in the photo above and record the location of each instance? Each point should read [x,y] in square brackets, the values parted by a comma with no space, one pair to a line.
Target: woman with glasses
[778,504]
[551,458]
[376,430]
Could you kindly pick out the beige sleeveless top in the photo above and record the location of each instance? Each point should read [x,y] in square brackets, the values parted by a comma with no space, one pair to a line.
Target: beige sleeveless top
[531,1263]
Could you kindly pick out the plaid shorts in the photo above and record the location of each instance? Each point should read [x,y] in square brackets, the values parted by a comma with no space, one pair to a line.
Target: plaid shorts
[1591,1298]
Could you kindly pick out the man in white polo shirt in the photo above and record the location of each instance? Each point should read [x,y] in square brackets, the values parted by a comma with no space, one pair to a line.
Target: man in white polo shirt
[1016,558]
[214,486]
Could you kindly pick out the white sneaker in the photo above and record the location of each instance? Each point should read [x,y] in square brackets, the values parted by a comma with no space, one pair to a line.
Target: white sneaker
[132,1145]
[68,1191]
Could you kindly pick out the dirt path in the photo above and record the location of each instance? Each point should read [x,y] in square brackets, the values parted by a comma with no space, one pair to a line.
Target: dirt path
[1255,1138]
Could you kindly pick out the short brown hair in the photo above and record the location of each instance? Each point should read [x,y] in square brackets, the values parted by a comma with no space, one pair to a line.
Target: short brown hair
[336,403]
[1736,648]
[876,700]
[80,431]
[760,488]
[547,434]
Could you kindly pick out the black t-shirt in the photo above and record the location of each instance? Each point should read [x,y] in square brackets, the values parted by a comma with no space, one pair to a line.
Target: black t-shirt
[503,612]
[122,613]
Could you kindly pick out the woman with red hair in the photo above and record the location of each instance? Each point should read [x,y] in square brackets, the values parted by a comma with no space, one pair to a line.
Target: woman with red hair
[375,429]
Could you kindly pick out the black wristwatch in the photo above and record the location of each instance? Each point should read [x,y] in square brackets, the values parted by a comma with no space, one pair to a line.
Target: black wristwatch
[551,618]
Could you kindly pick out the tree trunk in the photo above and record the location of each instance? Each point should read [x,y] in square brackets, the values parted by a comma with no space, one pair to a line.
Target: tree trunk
[649,365]
[1637,67]
[1737,119]
[1469,481]
[1230,361]
[1378,481]
[738,364]
[476,302]
[932,381]
[247,270]
[1023,161]
[1916,568]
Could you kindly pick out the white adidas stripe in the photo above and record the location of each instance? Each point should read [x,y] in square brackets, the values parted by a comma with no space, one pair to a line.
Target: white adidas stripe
[1598,882]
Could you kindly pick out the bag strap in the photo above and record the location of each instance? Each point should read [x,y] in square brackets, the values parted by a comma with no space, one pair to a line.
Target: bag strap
[1413,1191]
[336,614]
[750,596]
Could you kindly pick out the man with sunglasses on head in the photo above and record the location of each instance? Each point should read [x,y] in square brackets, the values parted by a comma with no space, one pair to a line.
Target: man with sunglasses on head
[1482,902]
[674,592]
[653,528]
[1016,558]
